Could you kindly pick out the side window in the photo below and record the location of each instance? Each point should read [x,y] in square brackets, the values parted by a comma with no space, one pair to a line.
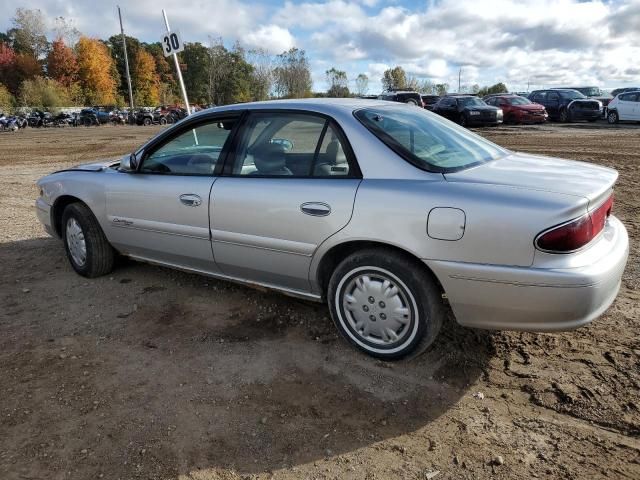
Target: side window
[553,97]
[193,152]
[290,144]
[539,97]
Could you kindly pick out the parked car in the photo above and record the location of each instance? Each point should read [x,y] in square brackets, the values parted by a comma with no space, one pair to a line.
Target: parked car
[517,109]
[403,96]
[468,110]
[94,116]
[378,209]
[430,100]
[617,91]
[593,92]
[624,107]
[567,105]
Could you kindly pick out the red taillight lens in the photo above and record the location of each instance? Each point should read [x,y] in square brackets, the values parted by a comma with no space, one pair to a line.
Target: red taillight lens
[577,233]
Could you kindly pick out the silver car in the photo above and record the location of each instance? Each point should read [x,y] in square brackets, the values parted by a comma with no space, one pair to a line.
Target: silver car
[383,211]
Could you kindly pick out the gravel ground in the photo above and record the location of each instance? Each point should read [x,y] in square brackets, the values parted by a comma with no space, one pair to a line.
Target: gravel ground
[155,374]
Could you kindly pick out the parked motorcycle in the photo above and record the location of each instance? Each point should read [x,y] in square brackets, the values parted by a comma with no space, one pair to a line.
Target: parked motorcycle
[12,123]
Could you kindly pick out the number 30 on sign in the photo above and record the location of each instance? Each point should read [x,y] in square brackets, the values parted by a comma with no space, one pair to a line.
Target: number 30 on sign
[172,43]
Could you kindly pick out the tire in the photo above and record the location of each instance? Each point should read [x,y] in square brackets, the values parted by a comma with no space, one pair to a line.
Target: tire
[359,280]
[612,117]
[79,226]
[412,102]
[564,116]
[146,122]
[163,121]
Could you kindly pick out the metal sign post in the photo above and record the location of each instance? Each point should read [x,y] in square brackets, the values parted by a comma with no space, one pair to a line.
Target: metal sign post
[172,50]
[126,64]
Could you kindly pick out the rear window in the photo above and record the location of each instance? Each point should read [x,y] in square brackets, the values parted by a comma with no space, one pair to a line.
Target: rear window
[426,140]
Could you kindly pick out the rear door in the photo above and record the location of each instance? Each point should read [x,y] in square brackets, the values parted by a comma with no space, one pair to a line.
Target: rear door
[625,106]
[290,185]
[161,212]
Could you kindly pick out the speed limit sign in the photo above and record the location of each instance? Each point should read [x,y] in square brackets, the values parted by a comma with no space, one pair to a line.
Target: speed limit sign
[171,43]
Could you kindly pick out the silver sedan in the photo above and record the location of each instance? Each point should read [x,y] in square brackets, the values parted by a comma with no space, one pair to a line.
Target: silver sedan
[383,211]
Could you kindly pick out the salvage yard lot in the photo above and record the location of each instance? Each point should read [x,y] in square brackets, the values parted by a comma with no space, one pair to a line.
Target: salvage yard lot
[155,374]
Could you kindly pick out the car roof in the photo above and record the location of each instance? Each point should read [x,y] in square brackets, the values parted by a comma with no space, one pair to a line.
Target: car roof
[328,106]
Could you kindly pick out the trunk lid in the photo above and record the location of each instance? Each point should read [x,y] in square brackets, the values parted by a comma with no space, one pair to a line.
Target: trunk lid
[533,172]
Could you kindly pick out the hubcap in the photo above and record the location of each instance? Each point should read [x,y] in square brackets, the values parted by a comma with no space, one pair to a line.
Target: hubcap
[377,308]
[75,242]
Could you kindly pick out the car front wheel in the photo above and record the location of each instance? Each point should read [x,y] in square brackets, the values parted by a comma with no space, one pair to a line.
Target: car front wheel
[88,250]
[565,116]
[385,304]
[612,117]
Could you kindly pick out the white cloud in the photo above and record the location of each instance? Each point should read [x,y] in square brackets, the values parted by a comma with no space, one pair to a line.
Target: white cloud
[272,38]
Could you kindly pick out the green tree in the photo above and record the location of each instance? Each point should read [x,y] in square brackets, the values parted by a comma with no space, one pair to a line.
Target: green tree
[43,93]
[292,74]
[28,34]
[117,54]
[394,79]
[6,100]
[195,59]
[497,88]
[441,88]
[338,83]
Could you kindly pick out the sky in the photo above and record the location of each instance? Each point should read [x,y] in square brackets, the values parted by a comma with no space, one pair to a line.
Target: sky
[536,43]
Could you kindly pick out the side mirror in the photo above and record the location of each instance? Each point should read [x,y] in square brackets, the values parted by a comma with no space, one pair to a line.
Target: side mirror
[128,163]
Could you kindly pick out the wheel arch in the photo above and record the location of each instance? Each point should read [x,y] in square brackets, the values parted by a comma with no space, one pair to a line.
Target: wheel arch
[58,209]
[334,255]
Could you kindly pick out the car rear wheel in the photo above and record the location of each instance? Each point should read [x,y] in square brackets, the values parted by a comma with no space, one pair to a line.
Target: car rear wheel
[88,250]
[385,304]
[146,122]
[612,117]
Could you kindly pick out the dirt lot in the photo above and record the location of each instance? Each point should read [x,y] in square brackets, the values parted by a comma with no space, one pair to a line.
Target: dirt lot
[154,374]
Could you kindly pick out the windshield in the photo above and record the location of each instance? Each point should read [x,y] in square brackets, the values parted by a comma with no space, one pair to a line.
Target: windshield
[470,101]
[572,94]
[426,140]
[518,101]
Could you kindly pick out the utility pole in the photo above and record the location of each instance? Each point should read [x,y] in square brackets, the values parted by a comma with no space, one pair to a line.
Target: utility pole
[126,65]
[178,71]
[459,77]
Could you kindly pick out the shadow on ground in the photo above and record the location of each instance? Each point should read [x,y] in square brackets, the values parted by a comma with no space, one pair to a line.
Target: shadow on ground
[153,373]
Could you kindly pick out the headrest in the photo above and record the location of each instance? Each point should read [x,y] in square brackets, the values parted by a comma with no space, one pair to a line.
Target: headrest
[269,158]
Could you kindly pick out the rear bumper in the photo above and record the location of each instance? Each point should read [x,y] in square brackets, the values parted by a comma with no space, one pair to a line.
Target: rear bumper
[533,298]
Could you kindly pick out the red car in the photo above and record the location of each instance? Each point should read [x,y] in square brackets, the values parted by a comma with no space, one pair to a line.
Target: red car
[518,109]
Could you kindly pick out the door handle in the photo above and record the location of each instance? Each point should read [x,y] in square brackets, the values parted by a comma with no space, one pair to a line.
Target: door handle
[190,200]
[316,209]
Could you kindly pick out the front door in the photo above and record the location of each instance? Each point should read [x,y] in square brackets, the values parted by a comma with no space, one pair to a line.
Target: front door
[161,212]
[290,186]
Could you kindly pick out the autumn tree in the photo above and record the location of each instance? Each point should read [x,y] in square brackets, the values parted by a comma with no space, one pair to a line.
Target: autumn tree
[95,70]
[62,64]
[7,58]
[24,67]
[146,87]
[394,79]
[362,84]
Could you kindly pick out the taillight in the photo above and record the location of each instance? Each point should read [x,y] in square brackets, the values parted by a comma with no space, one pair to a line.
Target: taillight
[574,235]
